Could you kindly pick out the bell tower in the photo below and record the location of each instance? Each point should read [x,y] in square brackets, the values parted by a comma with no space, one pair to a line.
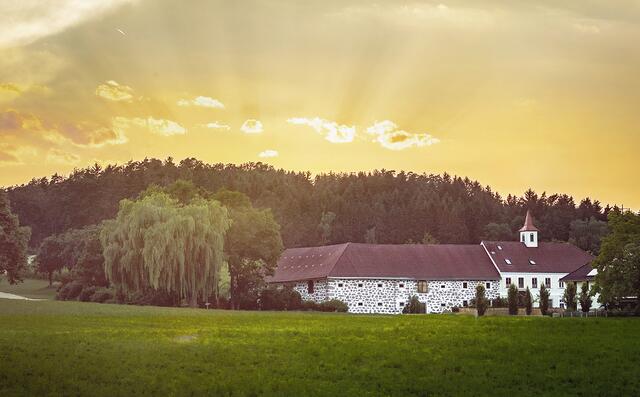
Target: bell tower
[528,232]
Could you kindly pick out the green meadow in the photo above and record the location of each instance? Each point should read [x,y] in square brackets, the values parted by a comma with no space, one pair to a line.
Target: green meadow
[50,348]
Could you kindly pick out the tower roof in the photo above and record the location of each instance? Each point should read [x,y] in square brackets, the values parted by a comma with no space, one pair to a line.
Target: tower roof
[528,224]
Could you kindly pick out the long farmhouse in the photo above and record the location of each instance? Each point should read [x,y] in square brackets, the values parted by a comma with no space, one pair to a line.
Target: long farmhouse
[380,278]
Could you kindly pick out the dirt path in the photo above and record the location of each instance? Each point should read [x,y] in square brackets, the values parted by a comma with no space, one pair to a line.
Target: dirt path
[5,295]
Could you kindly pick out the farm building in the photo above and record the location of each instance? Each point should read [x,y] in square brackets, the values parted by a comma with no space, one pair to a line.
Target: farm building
[380,278]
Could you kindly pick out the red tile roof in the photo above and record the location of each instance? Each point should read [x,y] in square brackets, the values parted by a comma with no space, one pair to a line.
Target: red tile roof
[580,274]
[414,261]
[528,224]
[548,257]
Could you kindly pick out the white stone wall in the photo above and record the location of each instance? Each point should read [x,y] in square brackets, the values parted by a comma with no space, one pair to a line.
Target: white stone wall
[388,296]
[319,290]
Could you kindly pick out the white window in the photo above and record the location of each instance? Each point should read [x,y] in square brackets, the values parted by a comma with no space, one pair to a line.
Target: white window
[531,237]
[442,286]
[442,305]
[487,285]
[422,286]
[379,303]
[340,285]
[507,281]
[359,285]
[401,285]
[359,303]
[534,282]
[520,282]
[560,284]
[547,282]
[379,285]
[401,304]
[464,285]
[507,261]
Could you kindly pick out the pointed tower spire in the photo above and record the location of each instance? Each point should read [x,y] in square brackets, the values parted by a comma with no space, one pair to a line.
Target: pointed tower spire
[528,232]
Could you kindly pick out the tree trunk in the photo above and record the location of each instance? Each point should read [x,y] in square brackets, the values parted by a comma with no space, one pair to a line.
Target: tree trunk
[193,302]
[50,278]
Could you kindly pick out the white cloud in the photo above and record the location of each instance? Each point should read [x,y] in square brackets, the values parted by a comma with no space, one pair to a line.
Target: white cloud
[387,134]
[25,21]
[269,153]
[332,131]
[216,125]
[157,126]
[201,101]
[62,157]
[113,91]
[252,126]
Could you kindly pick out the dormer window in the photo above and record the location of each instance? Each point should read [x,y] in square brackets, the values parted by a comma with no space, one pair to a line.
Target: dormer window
[531,237]
[508,261]
[500,247]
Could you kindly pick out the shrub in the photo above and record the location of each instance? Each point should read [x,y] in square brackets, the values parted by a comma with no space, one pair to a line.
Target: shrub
[528,302]
[334,305]
[414,306]
[284,298]
[69,291]
[499,302]
[570,296]
[544,299]
[513,299]
[102,295]
[481,301]
[309,306]
[86,293]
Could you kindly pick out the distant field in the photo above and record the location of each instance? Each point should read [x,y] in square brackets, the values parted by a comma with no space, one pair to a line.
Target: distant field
[70,348]
[30,288]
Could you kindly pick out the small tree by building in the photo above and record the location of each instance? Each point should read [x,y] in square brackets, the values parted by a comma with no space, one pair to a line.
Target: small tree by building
[481,300]
[570,296]
[414,306]
[544,299]
[512,297]
[585,298]
[528,302]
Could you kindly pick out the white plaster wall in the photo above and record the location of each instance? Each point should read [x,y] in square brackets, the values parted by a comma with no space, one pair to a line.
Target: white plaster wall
[555,292]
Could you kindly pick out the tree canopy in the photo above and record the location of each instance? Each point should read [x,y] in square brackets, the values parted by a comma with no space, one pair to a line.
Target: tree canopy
[158,243]
[13,241]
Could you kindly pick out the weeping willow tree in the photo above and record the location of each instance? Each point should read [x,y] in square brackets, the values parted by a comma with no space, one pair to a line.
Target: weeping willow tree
[158,243]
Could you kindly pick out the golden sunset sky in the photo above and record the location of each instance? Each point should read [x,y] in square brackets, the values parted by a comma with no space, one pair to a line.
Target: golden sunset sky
[515,94]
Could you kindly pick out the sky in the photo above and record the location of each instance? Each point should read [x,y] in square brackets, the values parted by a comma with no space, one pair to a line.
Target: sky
[514,94]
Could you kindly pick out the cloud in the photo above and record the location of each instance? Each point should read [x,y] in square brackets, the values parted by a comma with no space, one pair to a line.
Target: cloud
[201,101]
[269,153]
[332,131]
[252,126]
[216,125]
[113,91]
[157,126]
[387,134]
[62,157]
[25,21]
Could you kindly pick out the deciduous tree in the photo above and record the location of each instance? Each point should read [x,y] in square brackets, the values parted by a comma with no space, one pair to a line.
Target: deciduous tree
[13,242]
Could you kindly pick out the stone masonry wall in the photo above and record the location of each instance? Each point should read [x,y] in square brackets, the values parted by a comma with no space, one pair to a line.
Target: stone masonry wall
[387,296]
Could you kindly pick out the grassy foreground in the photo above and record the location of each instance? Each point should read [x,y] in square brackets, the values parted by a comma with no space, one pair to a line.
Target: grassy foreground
[50,348]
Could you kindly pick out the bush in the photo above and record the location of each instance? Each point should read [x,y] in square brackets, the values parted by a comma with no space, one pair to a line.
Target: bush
[585,298]
[102,295]
[499,302]
[544,299]
[528,302]
[152,298]
[481,300]
[284,298]
[69,291]
[334,305]
[513,299]
[414,306]
[570,296]
[86,294]
[309,306]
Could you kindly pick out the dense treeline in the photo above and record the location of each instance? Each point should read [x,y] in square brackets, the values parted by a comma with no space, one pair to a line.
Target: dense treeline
[381,206]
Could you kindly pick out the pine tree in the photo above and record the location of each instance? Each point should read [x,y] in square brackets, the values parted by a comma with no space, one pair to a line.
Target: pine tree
[570,296]
[528,302]
[512,297]
[481,300]
[585,298]
[544,299]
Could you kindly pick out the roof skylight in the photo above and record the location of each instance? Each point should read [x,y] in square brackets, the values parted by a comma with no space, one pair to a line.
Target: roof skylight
[508,261]
[532,261]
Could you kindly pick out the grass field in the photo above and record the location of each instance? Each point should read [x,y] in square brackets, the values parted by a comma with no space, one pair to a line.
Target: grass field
[50,348]
[30,288]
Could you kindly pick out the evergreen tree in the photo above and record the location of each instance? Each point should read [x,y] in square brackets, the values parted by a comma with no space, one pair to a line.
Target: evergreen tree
[13,242]
[544,299]
[482,303]
[570,296]
[512,298]
[528,302]
[585,298]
